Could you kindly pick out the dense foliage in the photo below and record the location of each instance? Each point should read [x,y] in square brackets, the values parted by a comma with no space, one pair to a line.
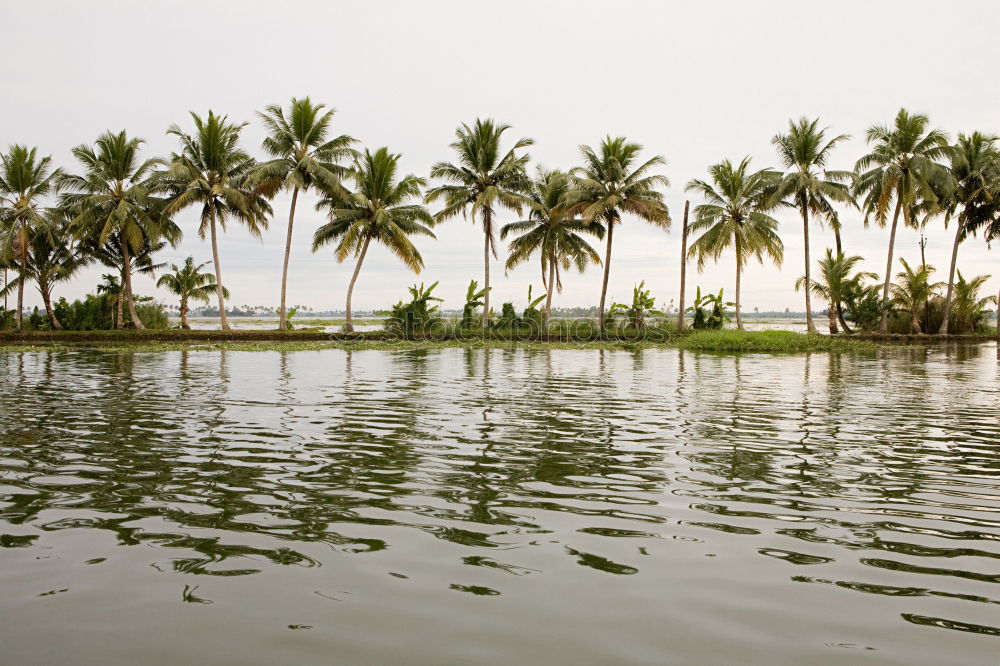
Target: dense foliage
[116,207]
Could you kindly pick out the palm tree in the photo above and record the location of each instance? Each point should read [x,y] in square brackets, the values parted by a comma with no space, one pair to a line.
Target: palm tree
[810,186]
[52,257]
[140,261]
[212,171]
[551,232]
[736,216]
[969,309]
[836,275]
[900,168]
[483,179]
[975,196]
[189,283]
[25,179]
[913,290]
[115,198]
[610,184]
[304,157]
[381,209]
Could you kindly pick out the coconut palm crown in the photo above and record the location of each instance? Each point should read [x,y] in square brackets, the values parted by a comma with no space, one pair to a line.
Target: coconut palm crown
[212,172]
[736,215]
[804,150]
[380,209]
[552,232]
[611,182]
[897,175]
[304,156]
[484,179]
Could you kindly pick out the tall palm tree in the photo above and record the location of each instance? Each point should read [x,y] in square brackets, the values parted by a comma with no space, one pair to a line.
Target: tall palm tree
[189,283]
[736,216]
[304,157]
[611,183]
[836,276]
[116,197]
[483,179]
[25,180]
[381,209]
[809,186]
[552,232]
[974,198]
[900,168]
[52,257]
[211,171]
[913,290]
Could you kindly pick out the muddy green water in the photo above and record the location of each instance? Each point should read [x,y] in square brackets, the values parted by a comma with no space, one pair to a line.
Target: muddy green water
[500,506]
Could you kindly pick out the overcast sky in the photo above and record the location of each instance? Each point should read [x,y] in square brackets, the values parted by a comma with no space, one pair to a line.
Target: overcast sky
[693,82]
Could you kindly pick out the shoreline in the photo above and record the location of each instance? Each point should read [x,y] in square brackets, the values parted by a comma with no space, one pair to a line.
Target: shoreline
[727,340]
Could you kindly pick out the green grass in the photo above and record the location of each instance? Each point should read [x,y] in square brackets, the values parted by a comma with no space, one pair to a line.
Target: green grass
[768,341]
[727,341]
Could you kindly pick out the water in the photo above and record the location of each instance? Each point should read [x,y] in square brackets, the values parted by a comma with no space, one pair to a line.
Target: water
[494,507]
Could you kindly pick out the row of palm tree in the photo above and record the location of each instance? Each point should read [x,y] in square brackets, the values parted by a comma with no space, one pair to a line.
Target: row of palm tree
[120,208]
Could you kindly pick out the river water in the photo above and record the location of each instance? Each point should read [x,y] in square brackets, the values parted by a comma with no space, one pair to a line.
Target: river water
[460,506]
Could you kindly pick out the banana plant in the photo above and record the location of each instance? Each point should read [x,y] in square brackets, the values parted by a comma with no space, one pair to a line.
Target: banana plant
[642,306]
[709,310]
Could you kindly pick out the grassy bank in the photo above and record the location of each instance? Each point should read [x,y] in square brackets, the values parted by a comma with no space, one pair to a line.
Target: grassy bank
[768,341]
[710,341]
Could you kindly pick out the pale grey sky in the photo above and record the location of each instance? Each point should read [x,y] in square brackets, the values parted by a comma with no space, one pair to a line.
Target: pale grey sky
[694,82]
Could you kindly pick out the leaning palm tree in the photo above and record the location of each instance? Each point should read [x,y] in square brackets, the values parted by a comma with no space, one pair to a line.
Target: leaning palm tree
[52,257]
[736,216]
[190,284]
[974,198]
[913,290]
[810,186]
[836,276]
[381,209]
[483,179]
[553,233]
[304,157]
[900,168]
[115,197]
[25,180]
[211,172]
[611,183]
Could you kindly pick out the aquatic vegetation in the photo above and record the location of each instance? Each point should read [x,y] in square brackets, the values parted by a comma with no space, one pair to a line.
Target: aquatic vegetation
[768,341]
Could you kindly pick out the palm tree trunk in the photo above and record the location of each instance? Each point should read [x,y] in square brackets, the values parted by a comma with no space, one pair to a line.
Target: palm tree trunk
[832,317]
[836,238]
[548,297]
[184,313]
[883,326]
[607,273]
[840,318]
[739,312]
[998,315]
[127,263]
[348,326]
[282,318]
[43,287]
[120,303]
[810,326]
[684,249]
[20,301]
[488,233]
[218,275]
[951,279]
[20,283]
